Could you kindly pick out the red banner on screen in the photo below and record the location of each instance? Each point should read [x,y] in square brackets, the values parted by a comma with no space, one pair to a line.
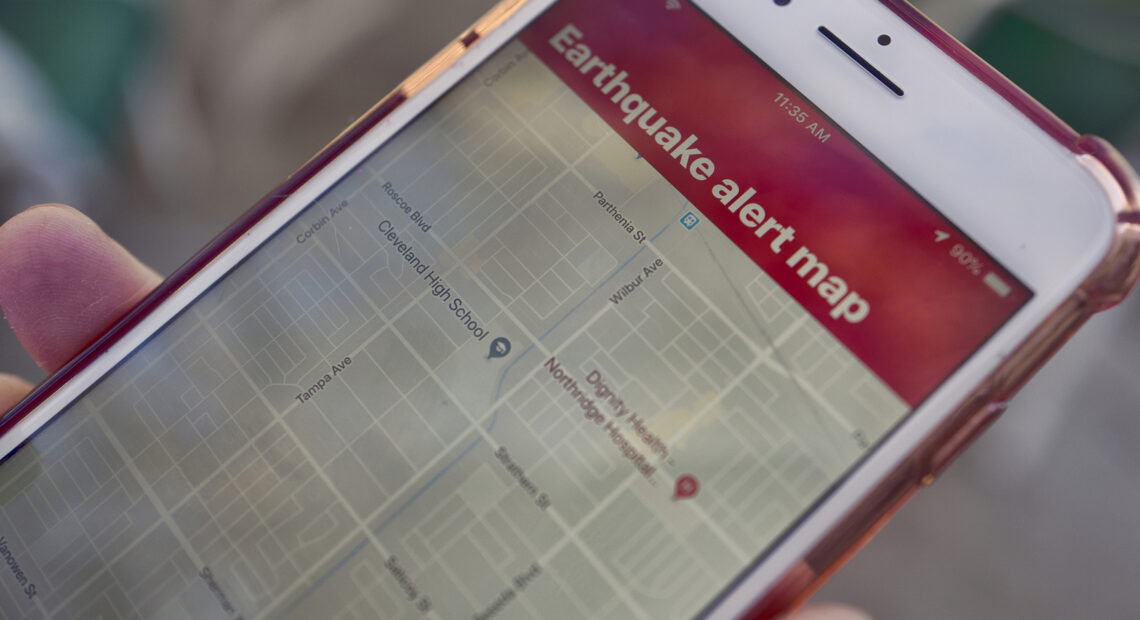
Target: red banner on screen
[837,231]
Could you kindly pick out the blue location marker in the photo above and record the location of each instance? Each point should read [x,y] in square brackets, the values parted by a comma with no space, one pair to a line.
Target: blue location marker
[500,347]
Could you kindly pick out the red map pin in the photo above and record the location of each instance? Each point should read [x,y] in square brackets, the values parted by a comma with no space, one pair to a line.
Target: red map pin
[687,486]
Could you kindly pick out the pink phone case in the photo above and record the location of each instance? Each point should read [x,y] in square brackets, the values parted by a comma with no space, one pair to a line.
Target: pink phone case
[1110,282]
[1106,287]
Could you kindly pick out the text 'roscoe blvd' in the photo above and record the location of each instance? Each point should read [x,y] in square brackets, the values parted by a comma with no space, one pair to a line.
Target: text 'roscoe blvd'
[440,290]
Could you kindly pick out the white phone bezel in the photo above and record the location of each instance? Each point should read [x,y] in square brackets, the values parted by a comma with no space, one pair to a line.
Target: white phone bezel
[1028,219]
[1047,219]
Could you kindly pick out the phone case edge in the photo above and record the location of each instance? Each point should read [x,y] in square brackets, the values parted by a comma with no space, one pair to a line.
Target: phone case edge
[1106,286]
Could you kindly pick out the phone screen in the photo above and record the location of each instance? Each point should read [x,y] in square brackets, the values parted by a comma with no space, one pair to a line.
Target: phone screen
[584,339]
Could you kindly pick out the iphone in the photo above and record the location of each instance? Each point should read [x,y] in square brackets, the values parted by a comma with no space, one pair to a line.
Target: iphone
[639,309]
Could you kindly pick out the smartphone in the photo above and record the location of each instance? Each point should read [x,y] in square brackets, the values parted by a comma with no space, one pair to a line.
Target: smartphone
[647,309]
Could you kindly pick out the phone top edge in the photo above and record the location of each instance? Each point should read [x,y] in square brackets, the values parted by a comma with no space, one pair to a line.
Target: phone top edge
[1119,271]
[990,159]
[1114,277]
[1045,119]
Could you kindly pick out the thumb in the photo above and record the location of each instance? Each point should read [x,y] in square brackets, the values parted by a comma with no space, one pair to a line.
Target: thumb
[63,281]
[12,390]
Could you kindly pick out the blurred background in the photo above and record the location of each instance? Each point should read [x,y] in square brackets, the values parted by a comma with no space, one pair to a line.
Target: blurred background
[165,119]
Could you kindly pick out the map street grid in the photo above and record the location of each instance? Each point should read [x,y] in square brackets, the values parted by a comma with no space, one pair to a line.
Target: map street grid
[324,430]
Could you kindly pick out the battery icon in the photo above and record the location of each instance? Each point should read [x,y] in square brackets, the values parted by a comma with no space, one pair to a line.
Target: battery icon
[997,284]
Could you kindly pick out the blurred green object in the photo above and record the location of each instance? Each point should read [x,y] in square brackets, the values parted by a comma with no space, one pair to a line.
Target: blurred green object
[86,51]
[1079,58]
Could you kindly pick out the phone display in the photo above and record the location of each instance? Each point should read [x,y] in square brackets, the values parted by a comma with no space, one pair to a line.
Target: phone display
[584,339]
